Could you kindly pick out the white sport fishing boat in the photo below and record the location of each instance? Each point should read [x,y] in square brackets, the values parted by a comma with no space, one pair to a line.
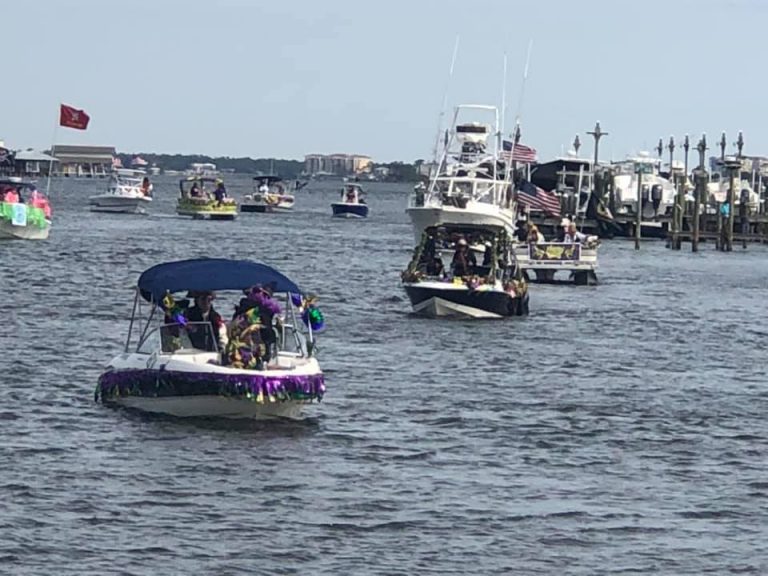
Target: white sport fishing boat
[173,362]
[471,183]
[129,192]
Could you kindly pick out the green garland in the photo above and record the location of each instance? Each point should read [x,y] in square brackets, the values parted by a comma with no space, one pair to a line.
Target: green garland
[35,216]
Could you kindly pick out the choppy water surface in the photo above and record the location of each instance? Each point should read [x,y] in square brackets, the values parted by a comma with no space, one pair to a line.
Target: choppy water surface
[618,429]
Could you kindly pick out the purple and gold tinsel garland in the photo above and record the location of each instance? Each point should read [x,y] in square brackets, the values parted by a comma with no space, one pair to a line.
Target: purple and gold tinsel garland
[163,383]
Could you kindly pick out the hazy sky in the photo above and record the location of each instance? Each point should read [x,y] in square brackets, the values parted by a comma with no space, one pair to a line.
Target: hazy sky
[291,77]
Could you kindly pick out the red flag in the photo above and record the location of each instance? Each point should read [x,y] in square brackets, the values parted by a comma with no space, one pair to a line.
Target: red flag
[73,118]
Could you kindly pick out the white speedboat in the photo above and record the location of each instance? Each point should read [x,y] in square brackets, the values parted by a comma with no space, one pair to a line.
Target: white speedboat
[128,193]
[198,199]
[657,194]
[173,364]
[352,203]
[494,288]
[270,195]
[471,183]
[24,212]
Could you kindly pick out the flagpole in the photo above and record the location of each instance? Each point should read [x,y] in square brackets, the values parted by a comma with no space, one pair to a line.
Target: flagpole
[50,162]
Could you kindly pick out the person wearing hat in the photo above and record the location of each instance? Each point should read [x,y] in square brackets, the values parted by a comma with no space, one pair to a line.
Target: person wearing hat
[464,260]
[563,229]
[203,311]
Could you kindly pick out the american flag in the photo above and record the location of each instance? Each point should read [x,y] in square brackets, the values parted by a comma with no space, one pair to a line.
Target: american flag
[537,198]
[519,152]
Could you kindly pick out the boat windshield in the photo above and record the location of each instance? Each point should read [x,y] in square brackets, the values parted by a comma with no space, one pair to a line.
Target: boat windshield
[175,338]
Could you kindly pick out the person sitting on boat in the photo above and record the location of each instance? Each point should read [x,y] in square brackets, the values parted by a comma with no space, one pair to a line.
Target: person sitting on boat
[463,259]
[11,196]
[220,192]
[351,195]
[563,229]
[573,236]
[435,266]
[146,187]
[534,234]
[203,311]
[195,191]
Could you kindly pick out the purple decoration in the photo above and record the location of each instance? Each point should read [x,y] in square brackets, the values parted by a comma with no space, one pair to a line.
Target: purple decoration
[296,299]
[162,383]
[264,300]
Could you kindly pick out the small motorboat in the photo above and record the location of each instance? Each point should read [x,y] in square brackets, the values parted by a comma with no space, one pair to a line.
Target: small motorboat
[494,289]
[25,213]
[270,195]
[173,362]
[128,193]
[352,203]
[205,198]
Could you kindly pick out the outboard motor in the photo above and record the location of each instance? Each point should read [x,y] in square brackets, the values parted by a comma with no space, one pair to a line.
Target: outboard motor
[656,198]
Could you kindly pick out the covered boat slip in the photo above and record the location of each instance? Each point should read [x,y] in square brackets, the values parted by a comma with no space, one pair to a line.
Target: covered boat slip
[177,366]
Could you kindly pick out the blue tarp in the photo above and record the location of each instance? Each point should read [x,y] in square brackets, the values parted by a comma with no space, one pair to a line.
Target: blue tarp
[210,274]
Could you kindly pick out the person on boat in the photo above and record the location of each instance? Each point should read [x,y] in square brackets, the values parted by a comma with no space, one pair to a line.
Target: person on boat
[563,229]
[534,234]
[146,187]
[203,311]
[573,236]
[37,200]
[351,195]
[463,259]
[253,328]
[488,254]
[195,191]
[11,196]
[435,267]
[220,192]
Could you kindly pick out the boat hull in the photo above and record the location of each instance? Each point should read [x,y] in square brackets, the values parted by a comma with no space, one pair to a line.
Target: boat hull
[210,407]
[207,214]
[10,232]
[119,205]
[349,210]
[263,208]
[434,300]
[189,386]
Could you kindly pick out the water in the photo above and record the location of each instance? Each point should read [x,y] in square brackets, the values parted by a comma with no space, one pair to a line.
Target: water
[619,429]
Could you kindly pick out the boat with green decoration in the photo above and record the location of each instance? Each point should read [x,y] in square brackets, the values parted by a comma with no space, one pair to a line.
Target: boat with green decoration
[25,213]
[205,198]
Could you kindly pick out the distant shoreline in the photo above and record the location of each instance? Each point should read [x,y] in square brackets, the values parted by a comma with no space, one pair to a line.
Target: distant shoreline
[289,169]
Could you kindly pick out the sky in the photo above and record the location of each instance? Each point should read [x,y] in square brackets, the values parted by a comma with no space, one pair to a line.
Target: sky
[285,78]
